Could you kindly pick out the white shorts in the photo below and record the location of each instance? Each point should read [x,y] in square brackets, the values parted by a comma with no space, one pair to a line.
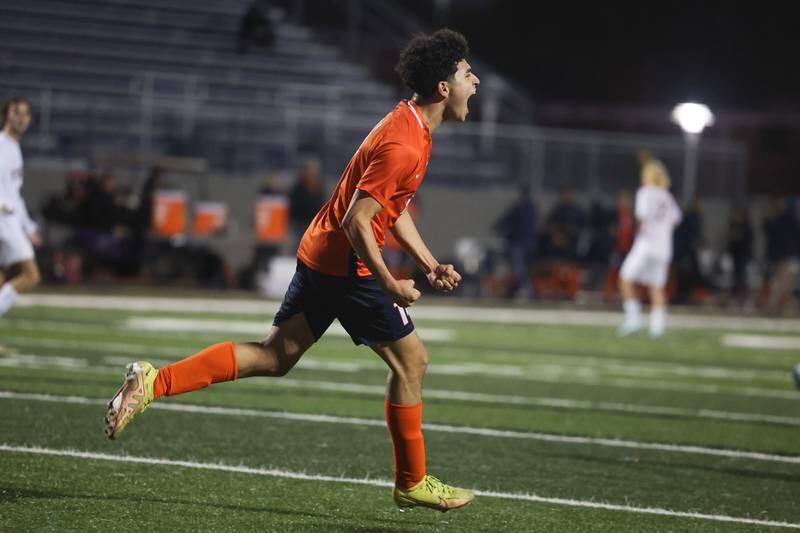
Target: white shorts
[644,267]
[15,246]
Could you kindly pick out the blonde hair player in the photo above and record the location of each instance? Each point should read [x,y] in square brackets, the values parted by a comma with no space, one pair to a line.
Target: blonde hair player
[648,261]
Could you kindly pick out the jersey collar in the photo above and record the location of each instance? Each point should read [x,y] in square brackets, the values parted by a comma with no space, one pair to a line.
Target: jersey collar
[417,115]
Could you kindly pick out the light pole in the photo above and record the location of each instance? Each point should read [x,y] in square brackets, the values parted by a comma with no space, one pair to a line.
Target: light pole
[693,118]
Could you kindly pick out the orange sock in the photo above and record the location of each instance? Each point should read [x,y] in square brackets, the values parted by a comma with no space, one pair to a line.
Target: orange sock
[210,365]
[405,428]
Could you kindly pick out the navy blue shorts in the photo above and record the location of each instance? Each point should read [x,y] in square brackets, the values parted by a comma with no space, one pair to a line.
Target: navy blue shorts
[366,312]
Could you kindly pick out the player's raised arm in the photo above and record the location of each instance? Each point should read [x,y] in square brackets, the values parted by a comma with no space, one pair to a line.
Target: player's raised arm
[357,225]
[442,277]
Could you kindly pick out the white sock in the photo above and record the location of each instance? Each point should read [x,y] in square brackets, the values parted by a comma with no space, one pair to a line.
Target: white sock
[633,311]
[8,295]
[658,320]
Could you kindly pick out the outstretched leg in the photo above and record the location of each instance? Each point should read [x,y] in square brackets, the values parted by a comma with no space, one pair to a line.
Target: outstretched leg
[226,361]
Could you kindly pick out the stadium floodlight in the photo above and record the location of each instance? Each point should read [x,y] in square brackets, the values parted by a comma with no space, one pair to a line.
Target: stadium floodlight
[693,118]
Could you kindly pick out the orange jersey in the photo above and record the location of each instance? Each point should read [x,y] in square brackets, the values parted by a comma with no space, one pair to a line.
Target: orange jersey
[389,166]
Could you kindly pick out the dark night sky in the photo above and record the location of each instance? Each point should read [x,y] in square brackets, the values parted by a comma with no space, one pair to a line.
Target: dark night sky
[730,55]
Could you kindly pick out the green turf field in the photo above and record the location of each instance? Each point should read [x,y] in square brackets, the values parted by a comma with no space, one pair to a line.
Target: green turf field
[560,428]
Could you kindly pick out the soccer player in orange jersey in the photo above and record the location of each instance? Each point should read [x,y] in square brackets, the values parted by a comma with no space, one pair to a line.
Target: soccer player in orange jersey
[341,274]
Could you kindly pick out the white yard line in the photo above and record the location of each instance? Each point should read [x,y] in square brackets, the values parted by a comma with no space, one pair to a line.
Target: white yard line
[17,324]
[271,472]
[259,328]
[421,311]
[27,360]
[558,403]
[22,360]
[445,428]
[572,365]
[699,388]
[150,304]
[566,374]
[35,361]
[761,341]
[119,348]
[560,374]
[617,366]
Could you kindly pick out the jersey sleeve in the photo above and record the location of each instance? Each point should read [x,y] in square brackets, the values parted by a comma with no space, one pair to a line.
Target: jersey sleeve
[390,164]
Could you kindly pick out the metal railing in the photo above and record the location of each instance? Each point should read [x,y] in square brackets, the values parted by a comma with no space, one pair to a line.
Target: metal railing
[277,133]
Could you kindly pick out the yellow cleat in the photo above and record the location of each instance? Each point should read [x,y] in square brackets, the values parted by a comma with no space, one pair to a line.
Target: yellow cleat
[434,494]
[132,398]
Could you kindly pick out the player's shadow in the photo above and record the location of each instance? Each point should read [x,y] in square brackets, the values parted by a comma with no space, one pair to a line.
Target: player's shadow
[15,494]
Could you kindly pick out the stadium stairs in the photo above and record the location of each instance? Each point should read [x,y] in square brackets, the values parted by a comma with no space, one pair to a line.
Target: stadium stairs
[166,76]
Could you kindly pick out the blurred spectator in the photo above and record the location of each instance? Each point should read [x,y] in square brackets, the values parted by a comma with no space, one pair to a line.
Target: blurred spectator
[144,210]
[101,211]
[256,27]
[781,229]
[112,233]
[305,199]
[601,233]
[740,248]
[688,241]
[626,225]
[66,208]
[517,227]
[106,231]
[564,227]
[624,231]
[271,185]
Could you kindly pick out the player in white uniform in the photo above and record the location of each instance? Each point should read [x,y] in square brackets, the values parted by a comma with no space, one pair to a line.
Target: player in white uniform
[18,232]
[648,261]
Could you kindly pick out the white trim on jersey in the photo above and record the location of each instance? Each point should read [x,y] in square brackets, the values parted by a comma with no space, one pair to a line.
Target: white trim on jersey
[419,120]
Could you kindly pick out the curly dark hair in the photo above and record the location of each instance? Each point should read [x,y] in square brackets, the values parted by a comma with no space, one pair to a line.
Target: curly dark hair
[429,59]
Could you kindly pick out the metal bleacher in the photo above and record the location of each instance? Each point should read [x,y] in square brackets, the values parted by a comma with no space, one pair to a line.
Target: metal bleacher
[166,76]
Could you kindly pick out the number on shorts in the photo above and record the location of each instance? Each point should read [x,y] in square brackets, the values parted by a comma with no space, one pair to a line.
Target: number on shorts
[403,314]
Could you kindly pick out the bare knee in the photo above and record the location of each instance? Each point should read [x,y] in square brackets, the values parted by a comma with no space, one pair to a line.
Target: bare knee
[278,360]
[263,359]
